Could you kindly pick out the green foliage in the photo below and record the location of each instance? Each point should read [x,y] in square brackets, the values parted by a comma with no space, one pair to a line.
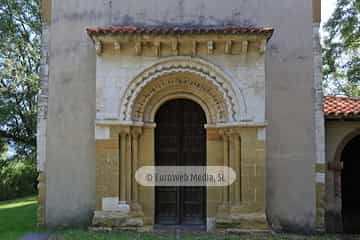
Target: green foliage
[341,50]
[17,178]
[20,41]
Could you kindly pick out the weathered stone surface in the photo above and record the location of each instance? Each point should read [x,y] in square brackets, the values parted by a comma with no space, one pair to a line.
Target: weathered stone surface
[115,219]
[243,221]
[70,171]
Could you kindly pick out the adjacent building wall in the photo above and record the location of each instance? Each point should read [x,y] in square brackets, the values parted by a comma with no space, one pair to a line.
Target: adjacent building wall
[338,134]
[70,145]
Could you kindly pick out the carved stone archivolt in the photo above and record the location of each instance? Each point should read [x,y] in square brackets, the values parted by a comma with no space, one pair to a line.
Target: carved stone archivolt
[180,85]
[181,77]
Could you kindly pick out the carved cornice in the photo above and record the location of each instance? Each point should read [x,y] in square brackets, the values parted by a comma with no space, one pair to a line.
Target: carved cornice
[175,42]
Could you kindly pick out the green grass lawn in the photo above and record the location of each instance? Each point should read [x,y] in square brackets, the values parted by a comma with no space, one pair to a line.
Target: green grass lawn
[17,217]
[81,235]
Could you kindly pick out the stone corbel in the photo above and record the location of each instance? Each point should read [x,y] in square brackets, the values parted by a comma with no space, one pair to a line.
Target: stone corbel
[138,48]
[194,48]
[98,47]
[157,48]
[117,46]
[262,48]
[228,47]
[244,46]
[175,48]
[210,47]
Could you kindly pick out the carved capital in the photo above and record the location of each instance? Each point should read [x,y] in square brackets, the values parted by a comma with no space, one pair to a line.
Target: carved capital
[335,166]
[225,133]
[136,132]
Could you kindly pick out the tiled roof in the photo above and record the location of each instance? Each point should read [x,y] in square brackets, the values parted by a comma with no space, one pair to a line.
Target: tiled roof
[341,106]
[177,30]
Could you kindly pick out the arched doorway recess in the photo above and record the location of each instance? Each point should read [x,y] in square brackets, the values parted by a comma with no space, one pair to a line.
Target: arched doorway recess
[350,179]
[180,140]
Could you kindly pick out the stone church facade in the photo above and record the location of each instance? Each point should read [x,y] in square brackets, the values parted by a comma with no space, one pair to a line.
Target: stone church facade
[222,70]
[251,73]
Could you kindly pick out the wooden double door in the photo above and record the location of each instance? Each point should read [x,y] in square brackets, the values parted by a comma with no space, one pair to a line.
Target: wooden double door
[180,140]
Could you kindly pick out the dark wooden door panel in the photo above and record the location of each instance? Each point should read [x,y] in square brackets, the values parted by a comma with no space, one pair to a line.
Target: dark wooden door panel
[180,140]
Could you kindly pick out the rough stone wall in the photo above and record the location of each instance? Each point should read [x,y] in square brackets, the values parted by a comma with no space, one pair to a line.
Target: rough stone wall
[42,111]
[70,167]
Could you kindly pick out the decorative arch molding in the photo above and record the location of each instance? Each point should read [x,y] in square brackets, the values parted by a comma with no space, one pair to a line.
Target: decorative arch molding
[340,148]
[333,215]
[188,77]
[180,85]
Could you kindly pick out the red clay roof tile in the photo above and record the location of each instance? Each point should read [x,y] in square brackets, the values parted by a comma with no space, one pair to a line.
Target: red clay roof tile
[341,106]
[177,30]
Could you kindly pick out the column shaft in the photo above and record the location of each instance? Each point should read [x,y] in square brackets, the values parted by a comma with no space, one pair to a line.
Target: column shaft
[128,168]
[135,149]
[226,164]
[237,167]
[122,184]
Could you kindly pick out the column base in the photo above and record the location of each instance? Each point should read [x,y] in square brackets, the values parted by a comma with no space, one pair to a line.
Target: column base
[116,220]
[136,210]
[223,210]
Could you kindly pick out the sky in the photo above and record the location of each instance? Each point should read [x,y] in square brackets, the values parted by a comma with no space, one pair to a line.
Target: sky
[327,8]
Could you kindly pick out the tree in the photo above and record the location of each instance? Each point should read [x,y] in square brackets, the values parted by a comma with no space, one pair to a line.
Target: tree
[20,41]
[341,49]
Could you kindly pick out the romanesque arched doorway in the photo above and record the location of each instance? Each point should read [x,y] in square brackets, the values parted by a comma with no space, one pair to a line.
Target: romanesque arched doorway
[350,179]
[180,140]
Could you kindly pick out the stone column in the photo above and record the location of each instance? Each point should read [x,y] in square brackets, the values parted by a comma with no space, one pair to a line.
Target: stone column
[135,206]
[237,167]
[235,188]
[122,165]
[223,209]
[244,153]
[128,168]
